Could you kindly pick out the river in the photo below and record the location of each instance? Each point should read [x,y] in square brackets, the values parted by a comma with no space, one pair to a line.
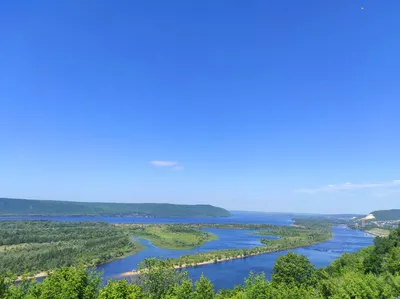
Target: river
[230,273]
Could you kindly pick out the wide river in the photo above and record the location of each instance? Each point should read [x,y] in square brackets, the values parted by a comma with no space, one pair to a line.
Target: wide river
[230,273]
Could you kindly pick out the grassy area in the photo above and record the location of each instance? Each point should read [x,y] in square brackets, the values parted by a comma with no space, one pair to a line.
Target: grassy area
[171,236]
[379,232]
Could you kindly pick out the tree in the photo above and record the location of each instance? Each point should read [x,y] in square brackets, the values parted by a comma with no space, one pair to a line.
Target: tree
[67,282]
[255,286]
[204,289]
[121,290]
[393,261]
[294,269]
[352,285]
[383,244]
[158,277]
[182,291]
[373,263]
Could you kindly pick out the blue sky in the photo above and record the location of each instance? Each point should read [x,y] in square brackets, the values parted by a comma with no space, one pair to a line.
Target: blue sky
[249,105]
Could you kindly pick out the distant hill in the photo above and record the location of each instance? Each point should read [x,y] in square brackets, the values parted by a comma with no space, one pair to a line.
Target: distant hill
[383,215]
[28,207]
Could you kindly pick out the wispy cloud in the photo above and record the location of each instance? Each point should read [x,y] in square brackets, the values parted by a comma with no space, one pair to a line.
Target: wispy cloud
[174,165]
[350,187]
[164,163]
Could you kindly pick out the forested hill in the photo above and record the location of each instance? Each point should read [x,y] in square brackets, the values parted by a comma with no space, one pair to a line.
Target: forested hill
[383,215]
[27,207]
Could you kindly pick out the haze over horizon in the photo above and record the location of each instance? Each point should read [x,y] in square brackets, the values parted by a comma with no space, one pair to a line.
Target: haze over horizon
[269,106]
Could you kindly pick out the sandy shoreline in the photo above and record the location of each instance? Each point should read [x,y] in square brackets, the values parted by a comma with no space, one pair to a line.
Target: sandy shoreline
[214,261]
[36,276]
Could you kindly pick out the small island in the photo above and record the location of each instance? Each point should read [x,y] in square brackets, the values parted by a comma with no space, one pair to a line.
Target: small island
[170,236]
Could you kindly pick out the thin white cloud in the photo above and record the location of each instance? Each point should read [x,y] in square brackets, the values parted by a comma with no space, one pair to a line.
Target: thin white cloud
[164,163]
[350,187]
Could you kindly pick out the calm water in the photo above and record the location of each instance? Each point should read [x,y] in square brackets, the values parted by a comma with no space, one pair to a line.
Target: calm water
[230,273]
[227,239]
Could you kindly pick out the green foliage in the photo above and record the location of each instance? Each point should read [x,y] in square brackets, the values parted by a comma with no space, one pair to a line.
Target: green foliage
[204,289]
[68,282]
[349,262]
[184,290]
[158,278]
[256,286]
[293,269]
[121,290]
[392,263]
[23,207]
[373,263]
[358,285]
[45,245]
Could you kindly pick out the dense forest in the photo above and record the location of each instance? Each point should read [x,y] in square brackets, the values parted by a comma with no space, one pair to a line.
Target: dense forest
[27,207]
[373,272]
[36,246]
[385,215]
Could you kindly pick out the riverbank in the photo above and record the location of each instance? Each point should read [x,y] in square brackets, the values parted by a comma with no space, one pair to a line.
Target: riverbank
[136,272]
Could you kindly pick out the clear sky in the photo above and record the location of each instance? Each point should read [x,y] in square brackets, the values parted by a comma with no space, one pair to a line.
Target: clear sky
[249,105]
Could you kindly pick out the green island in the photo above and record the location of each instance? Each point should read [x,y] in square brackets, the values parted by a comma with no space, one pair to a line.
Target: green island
[28,207]
[373,272]
[171,236]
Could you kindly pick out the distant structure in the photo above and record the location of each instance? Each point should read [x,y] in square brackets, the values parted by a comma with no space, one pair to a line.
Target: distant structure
[363,222]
